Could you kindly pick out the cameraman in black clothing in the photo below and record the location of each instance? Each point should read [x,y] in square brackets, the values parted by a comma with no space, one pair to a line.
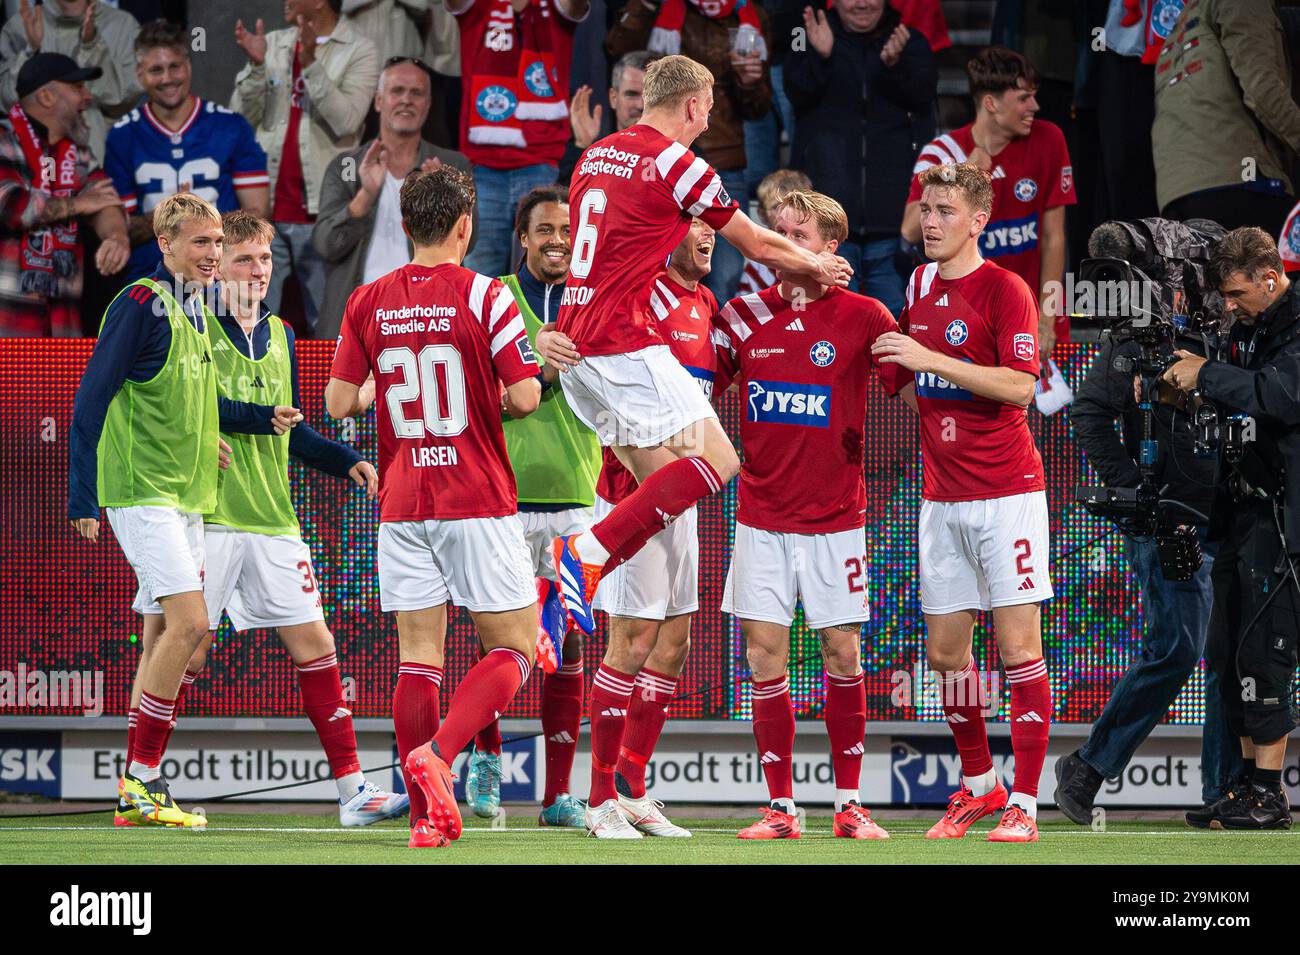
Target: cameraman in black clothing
[1256,614]
[1175,613]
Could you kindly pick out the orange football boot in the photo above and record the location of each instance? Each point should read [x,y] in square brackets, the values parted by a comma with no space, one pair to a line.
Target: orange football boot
[964,807]
[1016,826]
[854,822]
[432,774]
[774,824]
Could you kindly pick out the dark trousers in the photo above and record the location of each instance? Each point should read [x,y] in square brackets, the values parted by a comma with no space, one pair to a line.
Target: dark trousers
[1176,615]
[1233,207]
[1126,108]
[1252,639]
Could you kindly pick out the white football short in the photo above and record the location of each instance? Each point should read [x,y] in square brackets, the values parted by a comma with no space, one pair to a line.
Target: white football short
[164,547]
[542,527]
[662,580]
[977,555]
[640,399]
[770,571]
[479,563]
[261,580]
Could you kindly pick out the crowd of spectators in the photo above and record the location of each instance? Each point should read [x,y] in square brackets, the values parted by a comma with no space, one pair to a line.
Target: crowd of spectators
[1117,109]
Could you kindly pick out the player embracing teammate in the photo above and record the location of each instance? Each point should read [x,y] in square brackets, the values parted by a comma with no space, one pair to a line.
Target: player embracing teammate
[631,201]
[970,342]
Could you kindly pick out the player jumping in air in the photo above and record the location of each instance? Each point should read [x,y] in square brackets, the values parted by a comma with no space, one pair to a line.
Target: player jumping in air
[631,201]
[651,597]
[258,568]
[145,445]
[970,343]
[556,459]
[801,353]
[441,341]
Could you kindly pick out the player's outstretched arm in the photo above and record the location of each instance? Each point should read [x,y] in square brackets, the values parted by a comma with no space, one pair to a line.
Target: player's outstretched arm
[522,398]
[779,253]
[998,384]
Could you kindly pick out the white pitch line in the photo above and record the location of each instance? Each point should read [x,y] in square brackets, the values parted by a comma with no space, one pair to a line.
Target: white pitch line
[1193,833]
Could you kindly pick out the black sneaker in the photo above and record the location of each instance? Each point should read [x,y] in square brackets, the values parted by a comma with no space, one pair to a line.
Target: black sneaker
[1200,818]
[1077,785]
[1254,808]
[1238,792]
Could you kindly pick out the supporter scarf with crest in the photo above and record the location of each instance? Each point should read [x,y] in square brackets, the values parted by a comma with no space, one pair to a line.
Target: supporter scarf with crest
[48,254]
[666,37]
[514,77]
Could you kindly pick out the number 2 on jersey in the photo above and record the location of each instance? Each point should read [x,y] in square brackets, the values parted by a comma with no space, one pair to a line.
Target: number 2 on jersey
[437,378]
[584,245]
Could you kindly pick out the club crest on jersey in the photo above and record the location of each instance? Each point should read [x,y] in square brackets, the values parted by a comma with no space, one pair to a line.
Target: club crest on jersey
[785,402]
[1026,189]
[1293,234]
[1023,346]
[536,80]
[956,333]
[822,354]
[496,104]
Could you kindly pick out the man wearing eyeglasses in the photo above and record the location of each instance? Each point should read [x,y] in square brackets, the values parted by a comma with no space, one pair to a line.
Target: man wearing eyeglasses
[358,231]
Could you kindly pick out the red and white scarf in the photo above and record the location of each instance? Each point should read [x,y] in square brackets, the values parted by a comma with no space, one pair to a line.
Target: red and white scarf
[515,78]
[666,37]
[52,253]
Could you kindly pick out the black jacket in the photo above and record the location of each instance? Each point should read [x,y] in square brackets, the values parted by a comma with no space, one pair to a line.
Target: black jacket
[1268,389]
[1107,394]
[859,124]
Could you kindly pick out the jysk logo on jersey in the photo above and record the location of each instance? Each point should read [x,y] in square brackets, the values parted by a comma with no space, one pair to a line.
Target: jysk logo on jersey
[1023,346]
[1026,189]
[956,333]
[785,402]
[1010,236]
[930,385]
[536,81]
[822,354]
[704,378]
[496,104]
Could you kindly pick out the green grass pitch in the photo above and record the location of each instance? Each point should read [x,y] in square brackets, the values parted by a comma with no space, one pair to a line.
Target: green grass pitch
[279,838]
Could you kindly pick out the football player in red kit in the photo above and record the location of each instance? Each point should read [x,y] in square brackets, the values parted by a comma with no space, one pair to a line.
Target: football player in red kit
[801,352]
[651,597]
[441,343]
[631,201]
[1033,180]
[969,340]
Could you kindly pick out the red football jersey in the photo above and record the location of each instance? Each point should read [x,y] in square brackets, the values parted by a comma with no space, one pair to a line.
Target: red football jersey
[1031,175]
[441,342]
[803,375]
[974,448]
[631,200]
[685,319]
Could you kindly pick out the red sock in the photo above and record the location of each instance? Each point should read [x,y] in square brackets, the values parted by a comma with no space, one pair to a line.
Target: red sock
[1031,719]
[415,719]
[774,733]
[152,728]
[646,715]
[561,718]
[488,739]
[611,695]
[846,725]
[132,719]
[483,695]
[666,493]
[963,706]
[187,681]
[322,698]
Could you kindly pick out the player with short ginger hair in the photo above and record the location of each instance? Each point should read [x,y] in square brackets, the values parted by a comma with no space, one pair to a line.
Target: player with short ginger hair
[441,342]
[258,568]
[145,445]
[970,341]
[632,197]
[801,353]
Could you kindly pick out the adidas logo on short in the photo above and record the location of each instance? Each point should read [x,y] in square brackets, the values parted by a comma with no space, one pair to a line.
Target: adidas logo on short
[856,750]
[613,711]
[795,326]
[1026,584]
[1029,717]
[561,737]
[340,714]
[942,300]
[769,757]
